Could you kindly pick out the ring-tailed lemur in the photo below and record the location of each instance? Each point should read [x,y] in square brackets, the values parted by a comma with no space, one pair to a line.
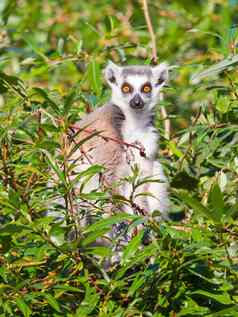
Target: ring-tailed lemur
[127,119]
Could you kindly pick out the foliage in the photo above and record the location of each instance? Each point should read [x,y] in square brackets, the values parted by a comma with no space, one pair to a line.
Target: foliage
[51,57]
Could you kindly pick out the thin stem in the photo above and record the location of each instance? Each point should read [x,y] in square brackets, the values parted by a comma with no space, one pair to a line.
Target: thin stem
[107,138]
[150,30]
[154,60]
[164,115]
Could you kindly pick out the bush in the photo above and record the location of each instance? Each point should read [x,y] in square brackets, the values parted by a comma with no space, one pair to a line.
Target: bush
[52,54]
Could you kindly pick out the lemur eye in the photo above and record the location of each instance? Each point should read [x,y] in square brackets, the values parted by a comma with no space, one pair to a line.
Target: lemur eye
[126,88]
[146,88]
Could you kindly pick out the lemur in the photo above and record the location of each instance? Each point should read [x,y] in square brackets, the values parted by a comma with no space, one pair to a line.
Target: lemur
[126,125]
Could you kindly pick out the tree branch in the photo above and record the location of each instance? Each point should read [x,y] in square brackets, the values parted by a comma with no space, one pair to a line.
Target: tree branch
[154,60]
[151,31]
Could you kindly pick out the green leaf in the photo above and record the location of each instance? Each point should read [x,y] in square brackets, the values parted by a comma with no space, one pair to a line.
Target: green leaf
[106,223]
[34,45]
[12,83]
[94,77]
[177,234]
[231,312]
[184,181]
[174,149]
[12,228]
[14,197]
[57,234]
[88,173]
[101,251]
[49,101]
[24,308]
[232,211]
[191,308]
[197,206]
[119,198]
[221,298]
[223,104]
[137,283]
[68,288]
[81,142]
[52,302]
[217,202]
[92,236]
[53,164]
[10,6]
[132,247]
[89,303]
[69,100]
[93,195]
[215,69]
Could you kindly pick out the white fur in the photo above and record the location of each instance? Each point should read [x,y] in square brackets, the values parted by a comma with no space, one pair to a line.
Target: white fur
[134,132]
[159,200]
[136,129]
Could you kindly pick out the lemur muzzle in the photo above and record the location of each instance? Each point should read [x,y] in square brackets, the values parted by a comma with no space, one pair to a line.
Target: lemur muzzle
[137,102]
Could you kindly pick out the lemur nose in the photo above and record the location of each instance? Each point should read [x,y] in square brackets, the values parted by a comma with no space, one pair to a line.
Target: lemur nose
[137,102]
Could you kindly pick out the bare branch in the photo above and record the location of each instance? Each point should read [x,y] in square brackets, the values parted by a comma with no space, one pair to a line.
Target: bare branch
[164,116]
[150,30]
[107,138]
[154,60]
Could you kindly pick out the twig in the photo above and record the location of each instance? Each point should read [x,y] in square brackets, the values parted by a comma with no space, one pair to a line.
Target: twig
[151,31]
[164,115]
[107,138]
[26,264]
[154,60]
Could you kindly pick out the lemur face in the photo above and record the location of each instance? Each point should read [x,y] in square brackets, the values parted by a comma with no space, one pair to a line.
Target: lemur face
[136,87]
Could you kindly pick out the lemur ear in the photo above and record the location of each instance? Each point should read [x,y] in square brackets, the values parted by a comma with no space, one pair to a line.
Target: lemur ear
[111,73]
[161,74]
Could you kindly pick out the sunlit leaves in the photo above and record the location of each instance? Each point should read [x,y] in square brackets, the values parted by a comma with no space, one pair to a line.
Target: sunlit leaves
[23,307]
[10,6]
[94,77]
[215,69]
[13,84]
[52,262]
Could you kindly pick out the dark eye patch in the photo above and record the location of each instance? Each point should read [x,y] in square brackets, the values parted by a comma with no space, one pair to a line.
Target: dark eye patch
[112,79]
[160,81]
[126,88]
[146,88]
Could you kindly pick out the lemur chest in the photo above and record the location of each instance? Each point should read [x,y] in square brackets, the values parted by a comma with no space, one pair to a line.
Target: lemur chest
[145,138]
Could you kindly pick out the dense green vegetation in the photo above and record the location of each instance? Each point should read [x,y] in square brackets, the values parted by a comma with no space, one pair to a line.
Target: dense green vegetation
[52,53]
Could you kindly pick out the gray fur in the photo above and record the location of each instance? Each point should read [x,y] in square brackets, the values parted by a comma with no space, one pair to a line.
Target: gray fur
[117,119]
[137,70]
